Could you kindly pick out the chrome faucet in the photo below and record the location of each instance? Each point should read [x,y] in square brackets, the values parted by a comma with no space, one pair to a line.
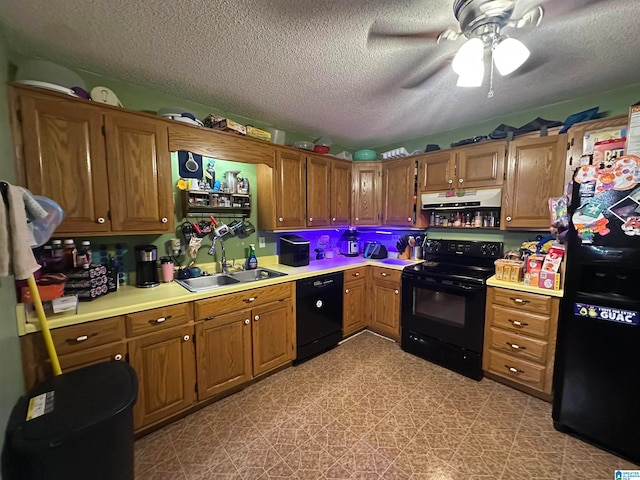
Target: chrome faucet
[212,250]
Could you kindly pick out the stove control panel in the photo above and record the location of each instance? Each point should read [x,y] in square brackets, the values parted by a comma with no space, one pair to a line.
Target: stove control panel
[463,248]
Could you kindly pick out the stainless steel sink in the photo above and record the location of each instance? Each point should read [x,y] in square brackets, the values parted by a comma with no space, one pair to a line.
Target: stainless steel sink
[257,274]
[202,284]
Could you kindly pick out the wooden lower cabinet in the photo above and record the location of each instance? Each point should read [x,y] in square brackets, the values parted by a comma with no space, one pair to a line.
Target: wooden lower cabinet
[520,340]
[223,348]
[165,364]
[354,315]
[385,307]
[273,335]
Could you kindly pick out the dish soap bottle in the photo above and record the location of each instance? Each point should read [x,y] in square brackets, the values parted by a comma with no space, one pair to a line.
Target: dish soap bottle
[252,261]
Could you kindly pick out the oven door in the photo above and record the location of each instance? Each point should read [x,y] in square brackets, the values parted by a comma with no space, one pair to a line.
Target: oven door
[448,311]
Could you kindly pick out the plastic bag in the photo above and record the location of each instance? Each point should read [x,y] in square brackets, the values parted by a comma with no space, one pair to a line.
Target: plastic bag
[43,229]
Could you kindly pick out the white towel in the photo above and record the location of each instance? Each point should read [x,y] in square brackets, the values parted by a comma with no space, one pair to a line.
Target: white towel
[16,256]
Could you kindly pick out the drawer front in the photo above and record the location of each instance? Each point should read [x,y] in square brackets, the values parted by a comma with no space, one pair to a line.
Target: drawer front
[517,369]
[355,274]
[114,351]
[389,274]
[520,346]
[525,323]
[529,302]
[206,309]
[158,319]
[87,335]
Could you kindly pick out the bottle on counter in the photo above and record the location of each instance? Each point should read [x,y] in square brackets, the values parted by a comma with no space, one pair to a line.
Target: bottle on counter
[478,220]
[432,219]
[83,255]
[69,255]
[252,261]
[86,245]
[57,251]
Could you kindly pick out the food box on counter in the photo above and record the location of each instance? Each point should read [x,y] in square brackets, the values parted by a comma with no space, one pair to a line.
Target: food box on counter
[533,268]
[227,125]
[509,270]
[211,120]
[549,280]
[258,133]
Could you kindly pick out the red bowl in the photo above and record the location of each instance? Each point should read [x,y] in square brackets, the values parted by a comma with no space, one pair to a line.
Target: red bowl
[320,149]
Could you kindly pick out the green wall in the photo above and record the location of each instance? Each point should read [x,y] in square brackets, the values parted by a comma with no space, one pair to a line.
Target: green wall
[612,102]
[10,363]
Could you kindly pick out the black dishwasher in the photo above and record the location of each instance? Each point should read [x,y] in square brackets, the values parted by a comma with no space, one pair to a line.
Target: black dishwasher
[318,314]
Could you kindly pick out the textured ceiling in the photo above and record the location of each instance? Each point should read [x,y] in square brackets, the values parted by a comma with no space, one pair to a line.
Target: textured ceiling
[307,65]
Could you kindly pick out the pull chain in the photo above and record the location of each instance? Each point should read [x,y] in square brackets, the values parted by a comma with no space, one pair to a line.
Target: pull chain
[490,93]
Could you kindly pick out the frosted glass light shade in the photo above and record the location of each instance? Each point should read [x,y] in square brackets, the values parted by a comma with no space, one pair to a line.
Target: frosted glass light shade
[471,52]
[473,76]
[509,55]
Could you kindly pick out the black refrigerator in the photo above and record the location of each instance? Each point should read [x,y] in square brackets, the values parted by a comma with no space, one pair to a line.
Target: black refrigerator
[597,372]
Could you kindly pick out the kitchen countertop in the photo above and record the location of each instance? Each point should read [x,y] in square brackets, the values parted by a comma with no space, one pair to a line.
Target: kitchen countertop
[129,299]
[521,287]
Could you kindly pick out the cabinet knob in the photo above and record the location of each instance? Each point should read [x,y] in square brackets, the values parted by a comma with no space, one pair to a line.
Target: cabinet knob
[250,299]
[461,181]
[357,218]
[396,292]
[246,322]
[384,274]
[164,219]
[100,219]
[186,338]
[346,291]
[256,318]
[280,219]
[117,356]
[333,219]
[311,219]
[409,219]
[450,182]
[357,274]
[508,219]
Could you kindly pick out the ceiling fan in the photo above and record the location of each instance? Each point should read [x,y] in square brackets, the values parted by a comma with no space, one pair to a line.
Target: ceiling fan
[483,23]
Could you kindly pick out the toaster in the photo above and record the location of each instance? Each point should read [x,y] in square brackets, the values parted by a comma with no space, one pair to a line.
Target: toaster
[375,250]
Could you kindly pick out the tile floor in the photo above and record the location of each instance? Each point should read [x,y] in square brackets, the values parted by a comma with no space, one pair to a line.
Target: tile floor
[368,410]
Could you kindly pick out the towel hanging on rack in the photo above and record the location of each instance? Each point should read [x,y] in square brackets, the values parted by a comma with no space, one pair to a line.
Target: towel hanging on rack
[16,257]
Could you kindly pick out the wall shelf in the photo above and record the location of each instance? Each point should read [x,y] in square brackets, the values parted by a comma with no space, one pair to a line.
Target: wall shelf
[203,202]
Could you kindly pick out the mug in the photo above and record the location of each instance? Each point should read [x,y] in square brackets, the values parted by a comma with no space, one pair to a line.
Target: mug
[194,272]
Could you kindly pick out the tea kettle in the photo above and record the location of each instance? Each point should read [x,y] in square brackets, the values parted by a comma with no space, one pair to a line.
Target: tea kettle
[349,243]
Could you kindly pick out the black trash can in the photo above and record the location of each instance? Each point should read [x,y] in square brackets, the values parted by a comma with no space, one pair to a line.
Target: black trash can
[80,427]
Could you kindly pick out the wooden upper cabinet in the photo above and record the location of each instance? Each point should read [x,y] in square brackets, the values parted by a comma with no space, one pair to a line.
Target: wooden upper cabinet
[64,159]
[436,171]
[481,165]
[535,172]
[318,191]
[290,189]
[366,193]
[340,192]
[139,173]
[475,166]
[398,181]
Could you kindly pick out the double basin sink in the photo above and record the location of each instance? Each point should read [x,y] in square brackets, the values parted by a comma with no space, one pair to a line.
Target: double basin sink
[210,282]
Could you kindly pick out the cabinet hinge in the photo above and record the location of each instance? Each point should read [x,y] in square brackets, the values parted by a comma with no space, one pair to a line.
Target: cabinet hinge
[568,146]
[109,214]
[504,176]
[104,131]
[195,387]
[19,115]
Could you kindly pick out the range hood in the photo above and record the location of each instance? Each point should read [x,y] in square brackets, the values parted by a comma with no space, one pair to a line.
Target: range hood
[471,198]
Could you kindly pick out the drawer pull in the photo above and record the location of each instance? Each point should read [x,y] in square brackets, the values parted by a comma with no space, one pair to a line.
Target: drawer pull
[516,347]
[518,300]
[357,274]
[80,339]
[210,317]
[346,291]
[158,321]
[518,324]
[117,356]
[250,299]
[514,370]
[384,274]
[246,322]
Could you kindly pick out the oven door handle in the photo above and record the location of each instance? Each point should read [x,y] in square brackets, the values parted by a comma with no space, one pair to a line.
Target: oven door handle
[439,286]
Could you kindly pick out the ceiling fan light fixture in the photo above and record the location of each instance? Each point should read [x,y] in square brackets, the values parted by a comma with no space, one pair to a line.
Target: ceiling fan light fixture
[471,52]
[509,55]
[472,77]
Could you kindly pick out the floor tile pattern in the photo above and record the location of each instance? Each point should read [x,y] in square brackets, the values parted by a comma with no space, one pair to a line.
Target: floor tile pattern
[367,410]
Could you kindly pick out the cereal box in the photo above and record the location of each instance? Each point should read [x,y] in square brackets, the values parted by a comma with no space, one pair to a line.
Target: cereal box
[549,280]
[258,133]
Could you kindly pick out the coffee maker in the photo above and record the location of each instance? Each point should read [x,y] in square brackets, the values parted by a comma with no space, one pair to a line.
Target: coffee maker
[146,266]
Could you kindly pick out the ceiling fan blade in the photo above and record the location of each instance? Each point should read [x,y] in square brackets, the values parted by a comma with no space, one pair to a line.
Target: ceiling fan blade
[552,8]
[427,35]
[419,81]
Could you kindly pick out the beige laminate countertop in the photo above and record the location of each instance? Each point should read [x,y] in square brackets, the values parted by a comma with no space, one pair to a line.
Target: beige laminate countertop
[129,299]
[521,287]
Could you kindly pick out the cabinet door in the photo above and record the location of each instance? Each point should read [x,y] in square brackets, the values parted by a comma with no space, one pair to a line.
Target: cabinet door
[366,193]
[436,171]
[535,172]
[273,335]
[398,179]
[290,188]
[353,307]
[140,183]
[340,192]
[318,191]
[64,159]
[223,349]
[385,318]
[165,365]
[481,165]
